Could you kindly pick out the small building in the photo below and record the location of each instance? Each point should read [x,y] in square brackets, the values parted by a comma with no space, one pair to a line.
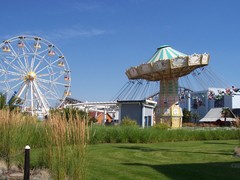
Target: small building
[216,116]
[142,111]
[100,117]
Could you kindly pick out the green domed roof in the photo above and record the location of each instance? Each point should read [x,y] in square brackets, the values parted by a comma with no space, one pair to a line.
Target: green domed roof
[165,52]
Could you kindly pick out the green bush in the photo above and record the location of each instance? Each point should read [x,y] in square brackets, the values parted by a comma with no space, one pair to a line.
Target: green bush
[135,134]
[161,126]
[128,122]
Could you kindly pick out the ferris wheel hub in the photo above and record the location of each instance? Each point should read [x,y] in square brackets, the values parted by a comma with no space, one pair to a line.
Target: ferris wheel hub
[31,76]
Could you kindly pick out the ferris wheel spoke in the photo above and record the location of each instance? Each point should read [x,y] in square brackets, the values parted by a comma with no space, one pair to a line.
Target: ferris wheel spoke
[25,60]
[10,64]
[10,72]
[11,88]
[3,54]
[48,74]
[21,65]
[27,46]
[48,66]
[15,55]
[53,82]
[39,53]
[39,63]
[27,50]
[35,54]
[61,73]
[54,89]
[51,91]
[10,80]
[32,63]
[2,70]
[51,73]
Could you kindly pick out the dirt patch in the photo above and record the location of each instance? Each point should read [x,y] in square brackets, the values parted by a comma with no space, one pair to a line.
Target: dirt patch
[237,151]
[17,174]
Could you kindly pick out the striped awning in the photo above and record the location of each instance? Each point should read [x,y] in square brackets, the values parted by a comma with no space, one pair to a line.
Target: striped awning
[167,63]
[165,52]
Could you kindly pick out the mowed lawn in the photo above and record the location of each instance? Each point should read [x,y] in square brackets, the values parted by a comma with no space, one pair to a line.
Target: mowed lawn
[167,160]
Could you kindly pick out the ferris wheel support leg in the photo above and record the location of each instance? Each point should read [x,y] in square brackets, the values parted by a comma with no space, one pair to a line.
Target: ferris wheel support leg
[32,112]
[19,93]
[43,101]
[189,101]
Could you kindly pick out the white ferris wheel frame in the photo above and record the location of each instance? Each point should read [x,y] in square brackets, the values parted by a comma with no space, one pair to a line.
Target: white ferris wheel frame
[36,71]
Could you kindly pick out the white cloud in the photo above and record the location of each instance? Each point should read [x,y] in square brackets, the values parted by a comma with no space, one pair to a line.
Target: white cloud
[75,32]
[80,6]
[59,34]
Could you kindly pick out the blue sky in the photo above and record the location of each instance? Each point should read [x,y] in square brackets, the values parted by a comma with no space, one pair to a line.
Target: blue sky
[103,38]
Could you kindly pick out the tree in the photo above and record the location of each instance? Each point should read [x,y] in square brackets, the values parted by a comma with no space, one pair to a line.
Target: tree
[225,113]
[195,116]
[12,104]
[2,101]
[186,115]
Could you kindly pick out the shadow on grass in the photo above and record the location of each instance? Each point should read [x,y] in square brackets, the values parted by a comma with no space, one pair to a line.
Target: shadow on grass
[218,170]
[140,148]
[146,149]
[221,143]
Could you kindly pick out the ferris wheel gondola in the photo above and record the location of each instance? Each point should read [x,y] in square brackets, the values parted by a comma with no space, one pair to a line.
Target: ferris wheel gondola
[29,70]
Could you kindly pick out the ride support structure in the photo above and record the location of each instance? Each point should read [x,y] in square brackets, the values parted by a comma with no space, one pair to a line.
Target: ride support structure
[168,110]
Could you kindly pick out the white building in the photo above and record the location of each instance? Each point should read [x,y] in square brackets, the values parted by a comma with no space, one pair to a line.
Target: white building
[201,102]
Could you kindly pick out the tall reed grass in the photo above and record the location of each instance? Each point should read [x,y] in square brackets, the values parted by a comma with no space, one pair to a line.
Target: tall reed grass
[13,130]
[66,146]
[58,143]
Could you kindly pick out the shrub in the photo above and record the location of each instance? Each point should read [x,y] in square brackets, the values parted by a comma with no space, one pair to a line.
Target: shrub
[161,126]
[134,134]
[128,122]
[189,124]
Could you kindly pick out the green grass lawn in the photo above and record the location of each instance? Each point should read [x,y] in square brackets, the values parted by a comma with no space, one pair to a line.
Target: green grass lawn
[167,160]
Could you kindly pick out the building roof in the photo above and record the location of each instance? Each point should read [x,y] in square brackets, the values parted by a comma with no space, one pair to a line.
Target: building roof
[216,114]
[165,52]
[97,114]
[167,63]
[69,100]
[145,101]
[236,111]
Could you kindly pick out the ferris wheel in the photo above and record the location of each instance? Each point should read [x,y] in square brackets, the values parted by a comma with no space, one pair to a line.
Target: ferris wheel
[34,70]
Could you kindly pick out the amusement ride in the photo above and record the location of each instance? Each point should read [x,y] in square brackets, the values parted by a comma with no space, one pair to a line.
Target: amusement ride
[166,66]
[35,71]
